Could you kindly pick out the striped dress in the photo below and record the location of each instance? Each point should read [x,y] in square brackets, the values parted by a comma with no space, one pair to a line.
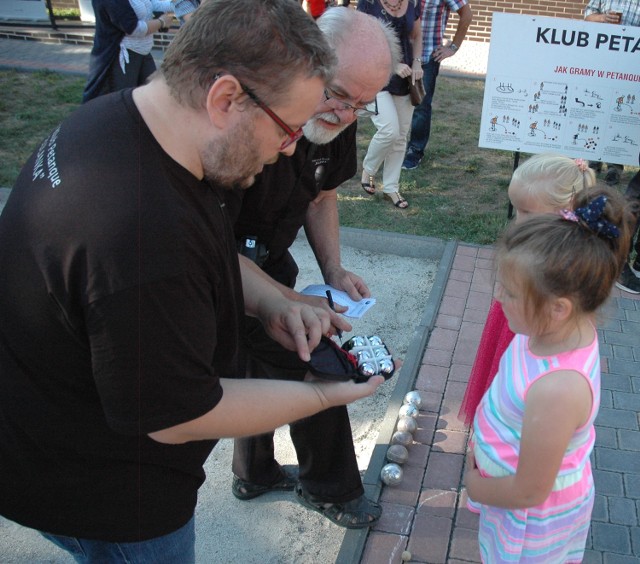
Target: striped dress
[556,531]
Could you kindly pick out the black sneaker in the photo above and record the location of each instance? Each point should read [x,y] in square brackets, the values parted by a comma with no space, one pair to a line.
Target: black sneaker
[635,268]
[411,161]
[628,281]
[612,177]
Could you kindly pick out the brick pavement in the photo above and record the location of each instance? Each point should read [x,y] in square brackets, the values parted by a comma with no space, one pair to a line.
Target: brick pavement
[426,514]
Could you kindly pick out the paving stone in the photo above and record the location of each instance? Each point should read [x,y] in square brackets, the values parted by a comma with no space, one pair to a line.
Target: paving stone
[463,275]
[430,400]
[633,315]
[622,511]
[471,332]
[635,540]
[457,288]
[443,339]
[465,351]
[609,558]
[449,419]
[459,372]
[621,352]
[383,548]
[464,545]
[467,251]
[395,519]
[452,306]
[608,483]
[616,382]
[426,428]
[446,440]
[616,461]
[444,471]
[479,300]
[624,367]
[483,281]
[475,315]
[429,540]
[626,400]
[606,351]
[632,485]
[600,509]
[611,538]
[618,418]
[454,392]
[418,455]
[441,503]
[486,252]
[629,440]
[464,517]
[437,357]
[610,324]
[606,398]
[466,263]
[448,321]
[592,557]
[431,378]
[619,338]
[606,437]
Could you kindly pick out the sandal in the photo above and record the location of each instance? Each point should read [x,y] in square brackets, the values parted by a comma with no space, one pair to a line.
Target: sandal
[244,490]
[396,199]
[369,187]
[358,513]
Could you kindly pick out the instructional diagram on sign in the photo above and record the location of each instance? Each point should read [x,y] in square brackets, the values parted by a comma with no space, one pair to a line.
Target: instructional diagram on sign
[534,102]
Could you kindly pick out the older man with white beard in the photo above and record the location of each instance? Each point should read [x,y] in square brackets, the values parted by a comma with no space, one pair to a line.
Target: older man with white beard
[301,191]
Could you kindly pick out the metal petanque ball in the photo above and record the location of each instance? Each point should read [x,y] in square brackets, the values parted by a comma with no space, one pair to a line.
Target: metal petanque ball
[401,438]
[391,474]
[408,410]
[407,424]
[414,398]
[398,454]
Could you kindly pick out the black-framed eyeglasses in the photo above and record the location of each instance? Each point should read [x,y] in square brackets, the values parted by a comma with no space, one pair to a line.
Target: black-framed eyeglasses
[338,103]
[293,136]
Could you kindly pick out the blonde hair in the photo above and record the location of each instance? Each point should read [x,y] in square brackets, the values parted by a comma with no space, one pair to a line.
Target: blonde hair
[552,256]
[553,179]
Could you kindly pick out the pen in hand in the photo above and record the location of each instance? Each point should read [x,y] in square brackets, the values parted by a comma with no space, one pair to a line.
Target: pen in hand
[333,308]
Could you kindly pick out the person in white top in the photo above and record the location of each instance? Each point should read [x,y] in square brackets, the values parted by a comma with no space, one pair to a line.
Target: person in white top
[135,63]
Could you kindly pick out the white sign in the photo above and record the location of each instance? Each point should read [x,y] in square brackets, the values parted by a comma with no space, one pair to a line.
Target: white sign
[563,86]
[23,10]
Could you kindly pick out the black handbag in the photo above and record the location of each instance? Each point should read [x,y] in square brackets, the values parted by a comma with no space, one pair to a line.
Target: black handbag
[416,91]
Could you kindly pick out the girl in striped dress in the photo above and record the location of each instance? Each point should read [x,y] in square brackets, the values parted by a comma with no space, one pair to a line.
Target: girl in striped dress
[528,468]
[544,183]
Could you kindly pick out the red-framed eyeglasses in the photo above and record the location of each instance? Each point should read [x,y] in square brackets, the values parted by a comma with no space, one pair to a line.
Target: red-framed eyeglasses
[293,136]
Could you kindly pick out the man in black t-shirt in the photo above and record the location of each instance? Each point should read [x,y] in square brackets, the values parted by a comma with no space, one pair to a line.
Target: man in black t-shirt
[121,296]
[301,191]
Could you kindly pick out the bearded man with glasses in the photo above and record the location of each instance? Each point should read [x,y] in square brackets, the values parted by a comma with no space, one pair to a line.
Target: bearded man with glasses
[301,191]
[121,295]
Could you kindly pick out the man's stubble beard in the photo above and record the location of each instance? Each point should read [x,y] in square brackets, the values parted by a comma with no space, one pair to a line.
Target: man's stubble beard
[231,162]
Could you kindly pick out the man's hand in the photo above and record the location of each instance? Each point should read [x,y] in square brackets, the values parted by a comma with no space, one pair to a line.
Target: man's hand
[441,53]
[348,282]
[298,326]
[342,393]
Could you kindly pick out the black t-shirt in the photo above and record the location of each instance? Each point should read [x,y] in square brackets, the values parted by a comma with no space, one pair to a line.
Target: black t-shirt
[120,307]
[275,207]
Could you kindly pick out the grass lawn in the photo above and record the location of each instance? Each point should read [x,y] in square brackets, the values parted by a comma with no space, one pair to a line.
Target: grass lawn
[458,191]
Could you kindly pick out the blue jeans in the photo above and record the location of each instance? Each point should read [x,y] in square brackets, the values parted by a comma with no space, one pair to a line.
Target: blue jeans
[421,122]
[174,548]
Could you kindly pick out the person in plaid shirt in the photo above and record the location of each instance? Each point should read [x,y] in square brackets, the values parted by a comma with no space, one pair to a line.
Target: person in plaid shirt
[435,14]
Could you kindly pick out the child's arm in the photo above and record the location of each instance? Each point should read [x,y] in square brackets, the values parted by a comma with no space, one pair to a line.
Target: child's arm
[556,405]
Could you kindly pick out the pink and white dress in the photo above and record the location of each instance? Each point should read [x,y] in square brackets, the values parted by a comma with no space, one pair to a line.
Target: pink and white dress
[555,531]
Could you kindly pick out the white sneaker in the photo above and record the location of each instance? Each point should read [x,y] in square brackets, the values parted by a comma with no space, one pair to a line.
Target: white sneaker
[636,271]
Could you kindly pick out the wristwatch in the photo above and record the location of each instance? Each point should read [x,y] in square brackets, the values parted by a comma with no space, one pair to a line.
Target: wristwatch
[453,46]
[419,59]
[163,26]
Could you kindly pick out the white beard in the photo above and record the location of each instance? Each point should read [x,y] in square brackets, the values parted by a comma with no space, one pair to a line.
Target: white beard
[320,135]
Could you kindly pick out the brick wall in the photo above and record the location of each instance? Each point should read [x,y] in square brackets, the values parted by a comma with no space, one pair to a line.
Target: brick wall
[480,29]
